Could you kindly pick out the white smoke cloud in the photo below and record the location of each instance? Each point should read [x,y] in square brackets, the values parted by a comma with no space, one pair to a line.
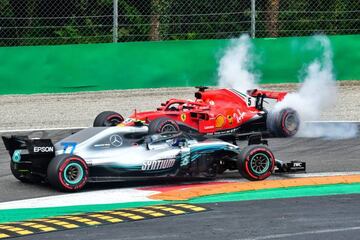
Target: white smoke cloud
[236,66]
[318,90]
[318,93]
[329,130]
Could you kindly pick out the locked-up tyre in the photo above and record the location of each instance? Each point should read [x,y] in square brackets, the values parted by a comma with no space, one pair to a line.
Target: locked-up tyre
[283,123]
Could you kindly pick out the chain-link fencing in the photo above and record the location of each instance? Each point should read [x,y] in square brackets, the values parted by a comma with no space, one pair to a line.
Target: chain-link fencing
[48,22]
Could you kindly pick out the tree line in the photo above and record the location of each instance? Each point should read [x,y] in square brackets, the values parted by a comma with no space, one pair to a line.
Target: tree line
[47,22]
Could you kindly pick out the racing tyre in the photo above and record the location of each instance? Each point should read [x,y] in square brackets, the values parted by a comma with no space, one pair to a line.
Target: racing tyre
[108,119]
[163,124]
[67,173]
[256,162]
[25,178]
[283,123]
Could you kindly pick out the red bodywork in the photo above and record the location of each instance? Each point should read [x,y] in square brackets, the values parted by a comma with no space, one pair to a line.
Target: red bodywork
[212,111]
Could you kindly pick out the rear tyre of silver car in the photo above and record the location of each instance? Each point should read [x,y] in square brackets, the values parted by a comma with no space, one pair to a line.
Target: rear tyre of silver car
[108,119]
[68,173]
[163,124]
[283,123]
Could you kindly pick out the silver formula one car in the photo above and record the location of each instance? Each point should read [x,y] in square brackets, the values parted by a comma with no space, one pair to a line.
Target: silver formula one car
[123,153]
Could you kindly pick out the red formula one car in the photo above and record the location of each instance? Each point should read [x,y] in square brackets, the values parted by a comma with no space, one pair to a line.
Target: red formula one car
[220,112]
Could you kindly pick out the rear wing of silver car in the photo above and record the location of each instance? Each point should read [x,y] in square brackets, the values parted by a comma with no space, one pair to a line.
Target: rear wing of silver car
[23,149]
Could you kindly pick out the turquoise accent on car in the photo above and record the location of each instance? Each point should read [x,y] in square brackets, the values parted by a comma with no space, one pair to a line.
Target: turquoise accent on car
[197,151]
[80,173]
[16,157]
[265,169]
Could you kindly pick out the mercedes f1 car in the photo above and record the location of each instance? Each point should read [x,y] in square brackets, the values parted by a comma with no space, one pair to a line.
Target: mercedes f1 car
[214,112]
[124,153]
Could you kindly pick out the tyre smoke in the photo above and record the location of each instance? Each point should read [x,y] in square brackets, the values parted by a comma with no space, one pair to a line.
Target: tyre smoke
[329,130]
[236,66]
[317,91]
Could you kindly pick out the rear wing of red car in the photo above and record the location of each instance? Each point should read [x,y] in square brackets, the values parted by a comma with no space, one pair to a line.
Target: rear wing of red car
[279,96]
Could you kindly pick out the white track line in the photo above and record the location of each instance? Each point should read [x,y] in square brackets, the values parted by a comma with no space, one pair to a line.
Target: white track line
[41,129]
[287,235]
[123,195]
[324,174]
[82,198]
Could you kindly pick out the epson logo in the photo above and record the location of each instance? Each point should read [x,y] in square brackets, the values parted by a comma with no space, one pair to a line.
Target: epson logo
[43,149]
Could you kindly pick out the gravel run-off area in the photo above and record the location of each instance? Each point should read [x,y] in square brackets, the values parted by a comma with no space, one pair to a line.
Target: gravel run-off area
[38,111]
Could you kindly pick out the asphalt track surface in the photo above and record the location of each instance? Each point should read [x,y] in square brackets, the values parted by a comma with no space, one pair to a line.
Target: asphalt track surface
[321,155]
[330,218]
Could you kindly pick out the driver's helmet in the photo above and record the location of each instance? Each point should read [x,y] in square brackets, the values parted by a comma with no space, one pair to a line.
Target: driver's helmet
[179,141]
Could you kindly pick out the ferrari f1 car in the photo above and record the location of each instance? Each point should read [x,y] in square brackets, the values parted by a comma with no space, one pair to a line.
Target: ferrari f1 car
[214,112]
[124,153]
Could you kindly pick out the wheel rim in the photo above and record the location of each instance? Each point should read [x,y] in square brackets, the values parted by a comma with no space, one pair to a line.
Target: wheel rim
[291,123]
[73,173]
[260,163]
[168,128]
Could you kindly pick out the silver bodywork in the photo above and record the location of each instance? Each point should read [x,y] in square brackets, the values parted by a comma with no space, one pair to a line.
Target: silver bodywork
[125,150]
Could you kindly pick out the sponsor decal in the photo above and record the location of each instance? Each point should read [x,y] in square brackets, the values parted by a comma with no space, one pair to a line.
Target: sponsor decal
[219,121]
[223,132]
[183,117]
[239,116]
[295,164]
[102,145]
[69,147]
[16,157]
[211,102]
[158,164]
[43,149]
[116,140]
[208,127]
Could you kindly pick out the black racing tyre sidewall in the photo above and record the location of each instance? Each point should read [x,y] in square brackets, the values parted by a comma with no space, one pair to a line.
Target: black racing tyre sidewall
[106,119]
[157,125]
[245,160]
[275,122]
[57,167]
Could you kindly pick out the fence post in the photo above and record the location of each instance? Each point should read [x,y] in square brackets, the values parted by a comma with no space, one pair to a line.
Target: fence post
[115,20]
[253,21]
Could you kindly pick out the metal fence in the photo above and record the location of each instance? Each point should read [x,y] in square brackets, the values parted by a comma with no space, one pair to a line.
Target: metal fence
[47,22]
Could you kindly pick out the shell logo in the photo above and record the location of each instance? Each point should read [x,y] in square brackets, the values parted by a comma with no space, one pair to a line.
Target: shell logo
[219,121]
